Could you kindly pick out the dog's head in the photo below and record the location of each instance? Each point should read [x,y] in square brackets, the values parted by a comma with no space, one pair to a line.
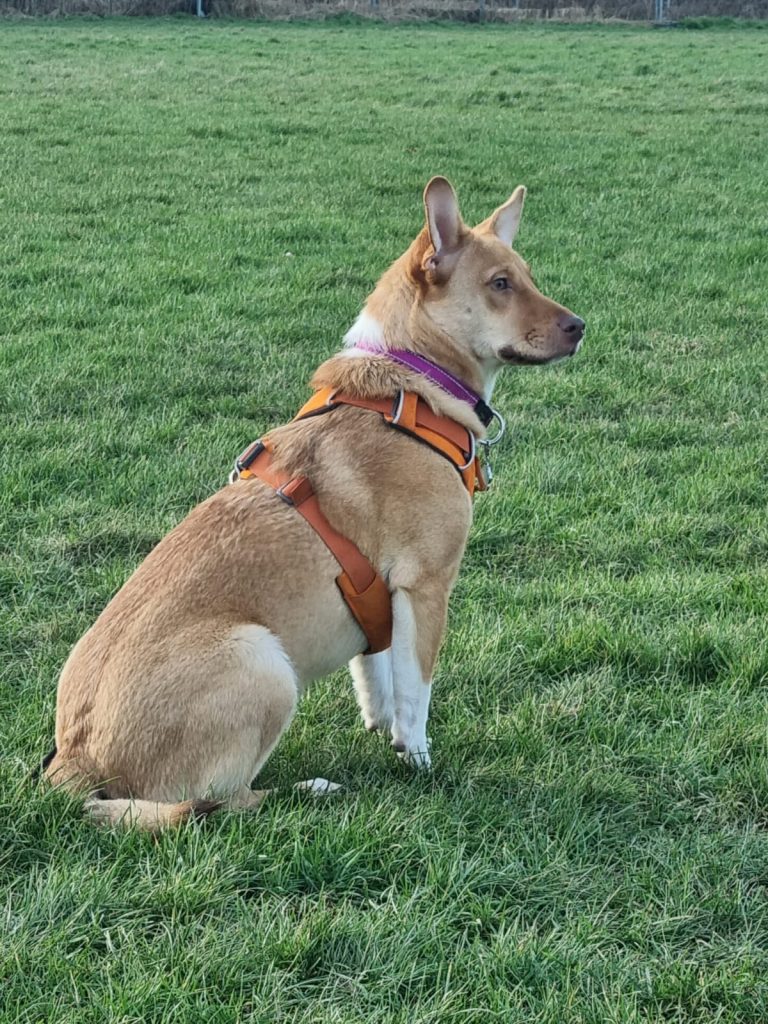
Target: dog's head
[480,293]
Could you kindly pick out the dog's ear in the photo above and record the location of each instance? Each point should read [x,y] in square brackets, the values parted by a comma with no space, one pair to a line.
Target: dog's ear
[444,224]
[505,221]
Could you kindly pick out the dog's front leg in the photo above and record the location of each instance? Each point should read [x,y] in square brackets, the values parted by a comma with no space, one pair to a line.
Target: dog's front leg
[418,622]
[372,676]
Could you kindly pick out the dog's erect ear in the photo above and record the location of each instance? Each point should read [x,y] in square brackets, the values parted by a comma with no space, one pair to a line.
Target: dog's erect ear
[505,221]
[444,223]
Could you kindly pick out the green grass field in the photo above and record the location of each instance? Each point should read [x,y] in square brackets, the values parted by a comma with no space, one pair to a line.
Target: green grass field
[190,217]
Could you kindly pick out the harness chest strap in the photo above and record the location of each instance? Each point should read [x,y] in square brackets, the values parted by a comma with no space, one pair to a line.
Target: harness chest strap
[363,589]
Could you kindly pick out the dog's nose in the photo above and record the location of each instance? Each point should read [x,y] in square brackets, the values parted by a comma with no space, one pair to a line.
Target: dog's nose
[573,326]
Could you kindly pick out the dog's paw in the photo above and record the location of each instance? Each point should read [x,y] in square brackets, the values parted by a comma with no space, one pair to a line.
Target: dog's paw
[318,787]
[378,716]
[377,724]
[417,759]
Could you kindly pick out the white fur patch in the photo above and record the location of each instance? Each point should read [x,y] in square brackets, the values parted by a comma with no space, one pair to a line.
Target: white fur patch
[366,329]
[372,676]
[318,787]
[490,372]
[411,690]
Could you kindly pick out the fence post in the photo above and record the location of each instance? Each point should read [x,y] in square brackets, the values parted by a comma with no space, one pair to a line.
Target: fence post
[661,12]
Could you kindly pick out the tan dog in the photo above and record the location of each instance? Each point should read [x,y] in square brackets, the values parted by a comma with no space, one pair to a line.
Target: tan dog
[180,690]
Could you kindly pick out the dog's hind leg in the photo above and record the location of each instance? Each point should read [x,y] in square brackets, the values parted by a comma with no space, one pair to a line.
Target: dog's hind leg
[245,715]
[226,700]
[372,678]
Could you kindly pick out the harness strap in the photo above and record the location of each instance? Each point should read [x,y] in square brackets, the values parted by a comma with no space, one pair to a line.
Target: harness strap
[412,415]
[363,589]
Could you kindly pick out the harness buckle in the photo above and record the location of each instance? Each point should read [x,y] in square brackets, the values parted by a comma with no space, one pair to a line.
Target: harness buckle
[244,460]
[296,491]
[280,492]
[249,455]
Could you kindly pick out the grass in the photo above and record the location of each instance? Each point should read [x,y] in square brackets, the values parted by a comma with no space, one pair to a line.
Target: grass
[191,216]
[721,22]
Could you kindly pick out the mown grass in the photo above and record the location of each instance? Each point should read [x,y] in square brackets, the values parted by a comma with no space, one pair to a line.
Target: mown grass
[191,216]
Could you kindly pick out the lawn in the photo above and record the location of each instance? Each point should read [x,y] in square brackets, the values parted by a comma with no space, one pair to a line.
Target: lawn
[190,217]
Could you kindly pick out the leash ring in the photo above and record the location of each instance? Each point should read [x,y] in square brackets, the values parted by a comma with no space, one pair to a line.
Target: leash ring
[489,442]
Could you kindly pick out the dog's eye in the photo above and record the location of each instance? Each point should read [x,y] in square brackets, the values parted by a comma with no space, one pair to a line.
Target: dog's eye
[500,284]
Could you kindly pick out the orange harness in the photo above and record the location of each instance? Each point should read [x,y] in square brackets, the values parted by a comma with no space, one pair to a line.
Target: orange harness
[361,586]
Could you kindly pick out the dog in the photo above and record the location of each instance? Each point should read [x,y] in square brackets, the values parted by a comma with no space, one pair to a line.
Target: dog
[173,700]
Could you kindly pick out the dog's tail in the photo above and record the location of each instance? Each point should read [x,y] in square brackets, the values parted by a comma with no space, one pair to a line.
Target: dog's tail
[39,770]
[147,815]
[76,775]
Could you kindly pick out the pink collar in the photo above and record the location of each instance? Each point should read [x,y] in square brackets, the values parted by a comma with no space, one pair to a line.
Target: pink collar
[437,375]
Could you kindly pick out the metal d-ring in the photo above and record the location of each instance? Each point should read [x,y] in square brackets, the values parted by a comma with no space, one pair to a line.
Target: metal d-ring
[398,408]
[472,453]
[489,442]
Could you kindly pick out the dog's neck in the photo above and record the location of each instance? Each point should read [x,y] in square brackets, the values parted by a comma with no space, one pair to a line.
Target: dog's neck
[370,375]
[394,317]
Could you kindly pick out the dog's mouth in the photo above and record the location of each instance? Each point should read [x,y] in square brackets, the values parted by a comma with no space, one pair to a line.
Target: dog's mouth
[515,358]
[512,357]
